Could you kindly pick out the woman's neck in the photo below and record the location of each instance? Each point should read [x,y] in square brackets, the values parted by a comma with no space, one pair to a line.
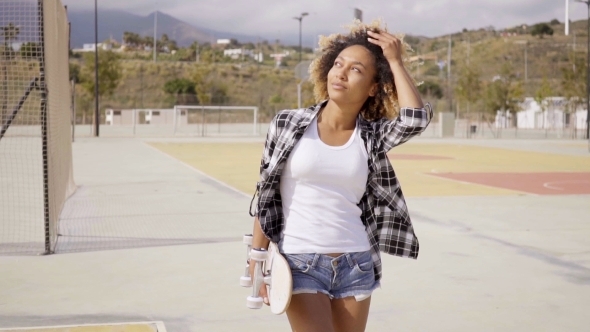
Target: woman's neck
[339,117]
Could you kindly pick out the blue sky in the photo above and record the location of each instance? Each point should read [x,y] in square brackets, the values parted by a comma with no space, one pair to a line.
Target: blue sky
[272,19]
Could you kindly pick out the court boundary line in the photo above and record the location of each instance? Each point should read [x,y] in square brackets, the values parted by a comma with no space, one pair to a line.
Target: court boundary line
[198,171]
[159,326]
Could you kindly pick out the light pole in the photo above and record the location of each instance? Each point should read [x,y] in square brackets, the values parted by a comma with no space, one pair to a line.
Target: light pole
[96,112]
[587,2]
[449,87]
[300,19]
[155,30]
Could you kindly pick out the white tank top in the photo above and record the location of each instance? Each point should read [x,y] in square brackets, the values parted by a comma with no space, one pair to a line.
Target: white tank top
[321,186]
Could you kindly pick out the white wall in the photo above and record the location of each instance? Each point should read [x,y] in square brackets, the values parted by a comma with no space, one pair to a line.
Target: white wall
[581,118]
[532,117]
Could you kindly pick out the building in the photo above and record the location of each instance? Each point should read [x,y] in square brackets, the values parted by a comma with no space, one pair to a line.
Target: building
[116,117]
[236,53]
[92,47]
[554,115]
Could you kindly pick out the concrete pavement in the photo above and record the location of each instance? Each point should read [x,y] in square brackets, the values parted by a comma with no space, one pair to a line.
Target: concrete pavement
[511,263]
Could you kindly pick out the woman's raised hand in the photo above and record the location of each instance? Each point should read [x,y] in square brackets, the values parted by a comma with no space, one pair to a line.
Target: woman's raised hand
[391,45]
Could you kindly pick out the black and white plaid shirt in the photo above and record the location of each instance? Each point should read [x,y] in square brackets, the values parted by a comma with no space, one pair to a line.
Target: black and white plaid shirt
[384,211]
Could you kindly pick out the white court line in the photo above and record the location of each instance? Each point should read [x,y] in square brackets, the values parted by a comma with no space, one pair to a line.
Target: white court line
[199,171]
[159,326]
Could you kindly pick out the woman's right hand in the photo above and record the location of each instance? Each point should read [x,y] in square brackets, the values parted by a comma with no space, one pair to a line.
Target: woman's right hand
[259,240]
[263,290]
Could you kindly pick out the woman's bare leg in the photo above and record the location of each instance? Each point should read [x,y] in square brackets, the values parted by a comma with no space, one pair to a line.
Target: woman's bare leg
[310,313]
[348,315]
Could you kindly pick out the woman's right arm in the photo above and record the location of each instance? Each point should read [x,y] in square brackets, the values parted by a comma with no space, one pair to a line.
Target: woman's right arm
[258,238]
[259,241]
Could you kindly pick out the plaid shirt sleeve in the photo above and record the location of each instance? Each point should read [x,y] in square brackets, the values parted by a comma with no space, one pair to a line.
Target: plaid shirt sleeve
[269,147]
[409,123]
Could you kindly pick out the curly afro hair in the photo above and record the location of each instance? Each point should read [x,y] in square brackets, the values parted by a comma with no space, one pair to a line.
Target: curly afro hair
[385,102]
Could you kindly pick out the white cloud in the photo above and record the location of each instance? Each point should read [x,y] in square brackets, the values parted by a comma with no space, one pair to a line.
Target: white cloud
[274,18]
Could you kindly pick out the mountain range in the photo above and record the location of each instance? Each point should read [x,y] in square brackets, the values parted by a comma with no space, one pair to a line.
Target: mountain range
[113,23]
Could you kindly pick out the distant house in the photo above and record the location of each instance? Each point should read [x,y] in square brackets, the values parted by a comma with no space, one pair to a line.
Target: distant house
[236,53]
[92,47]
[101,46]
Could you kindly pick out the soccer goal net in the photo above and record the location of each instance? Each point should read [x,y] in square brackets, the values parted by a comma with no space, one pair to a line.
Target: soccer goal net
[35,124]
[201,120]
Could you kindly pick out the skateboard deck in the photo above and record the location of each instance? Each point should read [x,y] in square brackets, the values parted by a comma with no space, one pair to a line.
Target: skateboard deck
[281,281]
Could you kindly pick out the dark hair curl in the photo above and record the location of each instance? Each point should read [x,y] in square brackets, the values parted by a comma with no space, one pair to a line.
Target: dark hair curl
[385,102]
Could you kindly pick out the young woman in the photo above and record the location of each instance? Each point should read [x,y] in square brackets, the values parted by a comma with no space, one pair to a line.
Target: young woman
[328,195]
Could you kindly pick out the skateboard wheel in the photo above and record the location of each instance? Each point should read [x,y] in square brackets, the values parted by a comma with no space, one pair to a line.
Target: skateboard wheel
[245,281]
[254,302]
[258,254]
[247,239]
[267,280]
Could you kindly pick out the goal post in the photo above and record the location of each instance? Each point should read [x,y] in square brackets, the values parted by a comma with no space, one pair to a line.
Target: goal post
[209,120]
[36,176]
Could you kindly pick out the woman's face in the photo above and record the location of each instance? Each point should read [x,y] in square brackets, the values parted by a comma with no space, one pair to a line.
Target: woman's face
[351,79]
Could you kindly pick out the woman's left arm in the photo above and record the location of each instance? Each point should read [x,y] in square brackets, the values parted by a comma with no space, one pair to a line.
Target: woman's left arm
[414,117]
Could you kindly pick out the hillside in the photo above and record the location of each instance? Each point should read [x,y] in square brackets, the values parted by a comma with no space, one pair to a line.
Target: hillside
[247,83]
[113,23]
[545,57]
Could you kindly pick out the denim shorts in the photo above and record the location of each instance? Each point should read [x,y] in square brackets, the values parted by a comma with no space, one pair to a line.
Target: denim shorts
[350,274]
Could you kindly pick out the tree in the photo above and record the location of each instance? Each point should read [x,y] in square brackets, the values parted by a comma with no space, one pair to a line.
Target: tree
[147,41]
[504,92]
[109,73]
[74,72]
[468,88]
[432,89]
[554,22]
[172,45]
[412,41]
[208,88]
[30,50]
[542,93]
[182,89]
[168,43]
[131,39]
[9,32]
[542,29]
[573,82]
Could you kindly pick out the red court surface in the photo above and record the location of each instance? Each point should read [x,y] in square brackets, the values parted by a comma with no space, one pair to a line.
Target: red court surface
[534,183]
[402,156]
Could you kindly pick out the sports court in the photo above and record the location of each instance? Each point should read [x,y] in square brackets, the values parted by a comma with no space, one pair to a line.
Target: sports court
[425,169]
[153,233]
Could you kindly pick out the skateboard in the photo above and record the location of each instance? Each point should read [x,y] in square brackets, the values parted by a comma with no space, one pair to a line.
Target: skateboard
[271,269]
